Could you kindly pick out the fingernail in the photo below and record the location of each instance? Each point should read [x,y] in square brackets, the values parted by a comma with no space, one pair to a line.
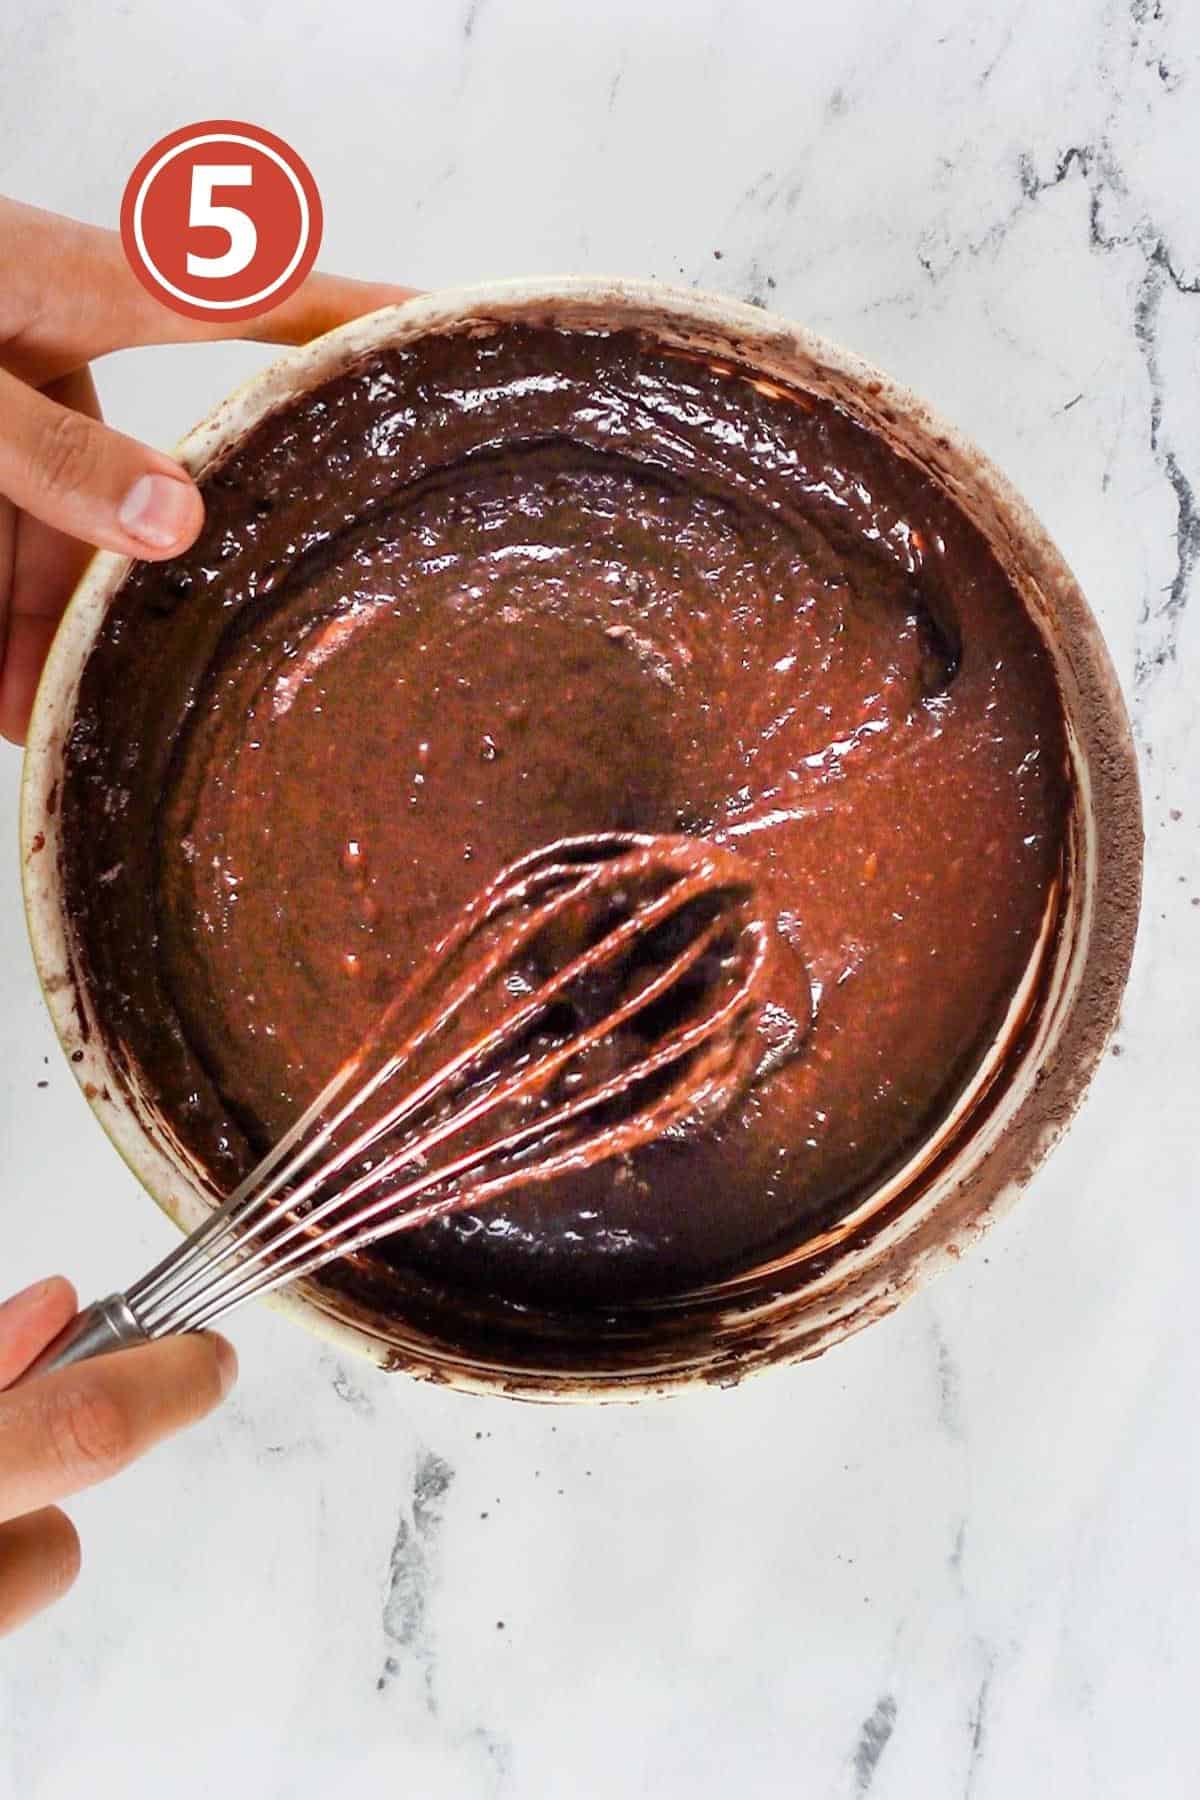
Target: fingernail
[227,1361]
[157,510]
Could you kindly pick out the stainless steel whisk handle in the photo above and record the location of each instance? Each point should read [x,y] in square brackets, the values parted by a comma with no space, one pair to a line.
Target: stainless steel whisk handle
[105,1325]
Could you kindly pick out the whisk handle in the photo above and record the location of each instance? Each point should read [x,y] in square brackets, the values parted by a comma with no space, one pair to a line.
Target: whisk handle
[106,1325]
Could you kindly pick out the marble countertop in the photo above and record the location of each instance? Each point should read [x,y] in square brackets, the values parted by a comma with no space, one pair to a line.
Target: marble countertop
[958,1556]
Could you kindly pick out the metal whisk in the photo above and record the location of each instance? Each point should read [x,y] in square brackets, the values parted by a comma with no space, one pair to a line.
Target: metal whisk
[599,993]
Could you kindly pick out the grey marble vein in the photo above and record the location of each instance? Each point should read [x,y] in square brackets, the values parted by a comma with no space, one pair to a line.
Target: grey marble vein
[407,1628]
[873,1740]
[977,1734]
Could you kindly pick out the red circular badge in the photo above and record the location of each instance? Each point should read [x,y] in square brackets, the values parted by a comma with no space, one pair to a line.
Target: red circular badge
[221,220]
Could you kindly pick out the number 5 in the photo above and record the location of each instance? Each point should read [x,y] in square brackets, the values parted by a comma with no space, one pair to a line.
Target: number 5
[238,226]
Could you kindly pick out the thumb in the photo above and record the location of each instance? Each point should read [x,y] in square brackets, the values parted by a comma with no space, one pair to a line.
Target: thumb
[91,482]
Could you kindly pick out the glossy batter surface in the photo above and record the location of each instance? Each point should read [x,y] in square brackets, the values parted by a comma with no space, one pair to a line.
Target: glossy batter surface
[508,586]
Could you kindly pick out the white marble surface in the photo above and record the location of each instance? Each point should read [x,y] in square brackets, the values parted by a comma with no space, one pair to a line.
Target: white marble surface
[959,1556]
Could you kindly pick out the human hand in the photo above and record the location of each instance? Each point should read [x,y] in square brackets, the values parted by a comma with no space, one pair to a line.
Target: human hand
[67,481]
[71,1429]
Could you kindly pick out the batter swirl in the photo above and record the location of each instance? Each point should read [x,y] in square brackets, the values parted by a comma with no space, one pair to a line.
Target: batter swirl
[506,586]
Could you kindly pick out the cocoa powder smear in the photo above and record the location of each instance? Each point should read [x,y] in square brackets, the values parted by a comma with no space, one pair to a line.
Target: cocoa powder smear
[507,586]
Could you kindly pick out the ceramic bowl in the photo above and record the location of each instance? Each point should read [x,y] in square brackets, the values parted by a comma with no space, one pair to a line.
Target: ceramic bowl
[973,1165]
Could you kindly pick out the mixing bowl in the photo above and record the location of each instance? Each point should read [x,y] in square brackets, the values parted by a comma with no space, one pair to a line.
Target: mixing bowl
[976,1161]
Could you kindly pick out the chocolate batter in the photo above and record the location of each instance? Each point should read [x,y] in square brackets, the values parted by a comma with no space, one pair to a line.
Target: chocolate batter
[514,584]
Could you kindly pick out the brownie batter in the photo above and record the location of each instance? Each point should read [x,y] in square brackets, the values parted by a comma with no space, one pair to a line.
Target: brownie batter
[514,584]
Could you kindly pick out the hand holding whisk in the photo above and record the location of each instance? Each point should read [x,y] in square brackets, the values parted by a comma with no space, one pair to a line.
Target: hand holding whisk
[598,994]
